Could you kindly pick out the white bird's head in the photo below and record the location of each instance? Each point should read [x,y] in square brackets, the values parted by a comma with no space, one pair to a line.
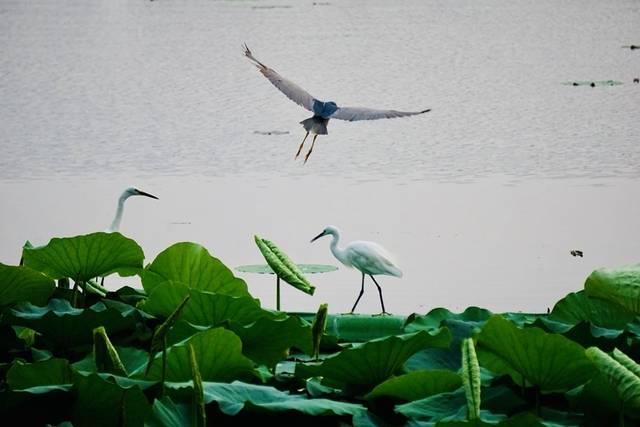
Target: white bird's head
[132,191]
[329,230]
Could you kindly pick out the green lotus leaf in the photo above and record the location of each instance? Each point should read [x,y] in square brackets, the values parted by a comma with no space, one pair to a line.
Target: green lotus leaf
[166,413]
[133,359]
[82,258]
[24,284]
[191,265]
[238,396]
[532,357]
[267,341]
[218,353]
[598,400]
[101,402]
[283,266]
[473,316]
[621,286]
[578,307]
[625,382]
[203,308]
[417,385]
[52,372]
[367,365]
[64,327]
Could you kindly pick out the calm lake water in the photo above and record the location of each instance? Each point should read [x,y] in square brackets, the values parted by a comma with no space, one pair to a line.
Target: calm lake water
[480,200]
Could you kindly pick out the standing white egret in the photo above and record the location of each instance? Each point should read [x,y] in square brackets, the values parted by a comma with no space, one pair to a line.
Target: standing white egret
[368,257]
[322,111]
[115,225]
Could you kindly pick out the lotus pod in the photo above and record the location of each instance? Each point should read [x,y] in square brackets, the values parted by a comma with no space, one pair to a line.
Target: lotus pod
[282,265]
[105,355]
[625,382]
[317,328]
[627,362]
[200,415]
[471,378]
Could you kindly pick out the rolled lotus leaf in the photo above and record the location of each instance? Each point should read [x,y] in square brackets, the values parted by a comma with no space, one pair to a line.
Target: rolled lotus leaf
[622,379]
[626,361]
[282,265]
[471,378]
[317,328]
[105,355]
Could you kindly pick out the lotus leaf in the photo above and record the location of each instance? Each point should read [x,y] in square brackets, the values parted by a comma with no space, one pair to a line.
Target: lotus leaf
[24,284]
[283,266]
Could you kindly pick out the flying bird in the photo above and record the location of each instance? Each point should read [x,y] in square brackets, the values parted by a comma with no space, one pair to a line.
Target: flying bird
[115,225]
[322,111]
[576,252]
[368,257]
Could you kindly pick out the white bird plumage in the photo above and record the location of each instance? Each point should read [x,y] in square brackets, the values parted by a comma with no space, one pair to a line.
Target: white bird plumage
[131,191]
[368,257]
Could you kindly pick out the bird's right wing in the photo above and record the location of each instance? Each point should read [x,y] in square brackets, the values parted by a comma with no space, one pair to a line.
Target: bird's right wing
[290,89]
[351,114]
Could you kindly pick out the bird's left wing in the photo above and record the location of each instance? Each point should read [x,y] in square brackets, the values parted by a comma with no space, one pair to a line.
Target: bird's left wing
[351,114]
[290,89]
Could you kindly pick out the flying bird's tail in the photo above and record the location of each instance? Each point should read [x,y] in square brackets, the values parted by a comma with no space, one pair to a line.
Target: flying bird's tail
[315,125]
[252,58]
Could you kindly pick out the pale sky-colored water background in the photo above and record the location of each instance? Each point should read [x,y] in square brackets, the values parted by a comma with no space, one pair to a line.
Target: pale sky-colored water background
[480,200]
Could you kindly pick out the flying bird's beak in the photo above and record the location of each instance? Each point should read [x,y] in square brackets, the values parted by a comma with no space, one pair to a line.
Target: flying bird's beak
[142,193]
[317,237]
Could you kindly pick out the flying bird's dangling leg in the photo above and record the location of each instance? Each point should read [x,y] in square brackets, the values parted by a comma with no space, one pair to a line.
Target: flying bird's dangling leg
[311,149]
[301,145]
[380,292]
[360,295]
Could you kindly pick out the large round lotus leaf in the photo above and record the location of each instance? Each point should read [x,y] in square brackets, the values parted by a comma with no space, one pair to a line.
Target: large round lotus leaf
[191,265]
[304,268]
[218,353]
[239,396]
[166,413]
[578,307]
[52,372]
[203,308]
[64,327]
[282,265]
[103,403]
[85,257]
[367,365]
[621,286]
[417,385]
[24,284]
[530,355]
[267,341]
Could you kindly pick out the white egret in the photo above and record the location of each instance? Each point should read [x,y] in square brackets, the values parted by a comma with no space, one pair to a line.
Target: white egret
[322,111]
[115,225]
[368,257]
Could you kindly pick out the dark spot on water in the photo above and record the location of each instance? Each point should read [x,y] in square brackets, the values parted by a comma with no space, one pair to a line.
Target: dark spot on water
[576,252]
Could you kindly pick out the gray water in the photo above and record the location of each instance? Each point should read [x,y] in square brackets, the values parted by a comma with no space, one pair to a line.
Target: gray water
[481,199]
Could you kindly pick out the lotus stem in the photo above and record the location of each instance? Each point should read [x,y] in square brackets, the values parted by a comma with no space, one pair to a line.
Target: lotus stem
[200,415]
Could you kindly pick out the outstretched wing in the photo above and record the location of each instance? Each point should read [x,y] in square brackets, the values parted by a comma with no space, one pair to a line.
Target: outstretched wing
[351,114]
[290,89]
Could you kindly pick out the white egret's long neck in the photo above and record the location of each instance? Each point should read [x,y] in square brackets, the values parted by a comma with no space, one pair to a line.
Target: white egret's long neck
[115,225]
[337,251]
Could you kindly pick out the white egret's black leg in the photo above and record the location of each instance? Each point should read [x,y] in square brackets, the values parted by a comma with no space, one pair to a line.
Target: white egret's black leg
[301,145]
[380,292]
[360,295]
[311,149]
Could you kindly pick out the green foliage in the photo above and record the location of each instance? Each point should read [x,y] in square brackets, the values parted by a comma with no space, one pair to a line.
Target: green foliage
[417,385]
[625,382]
[225,356]
[367,365]
[621,286]
[286,269]
[532,357]
[191,265]
[471,378]
[20,284]
[82,258]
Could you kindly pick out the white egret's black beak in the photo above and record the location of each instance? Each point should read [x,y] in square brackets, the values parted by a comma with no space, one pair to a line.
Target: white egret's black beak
[142,193]
[317,237]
